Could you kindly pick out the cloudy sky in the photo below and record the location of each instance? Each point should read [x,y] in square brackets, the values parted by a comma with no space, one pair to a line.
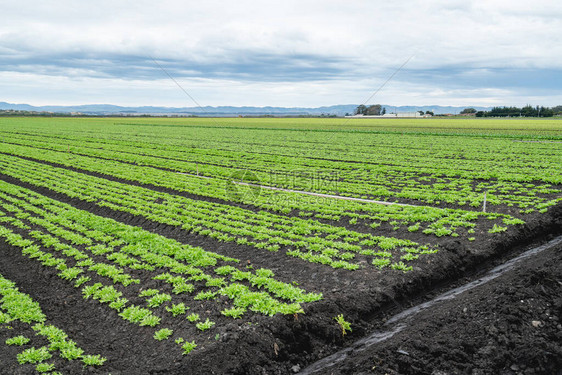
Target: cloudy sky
[281,53]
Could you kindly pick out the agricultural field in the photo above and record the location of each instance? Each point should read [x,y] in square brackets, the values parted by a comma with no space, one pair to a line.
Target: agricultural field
[248,246]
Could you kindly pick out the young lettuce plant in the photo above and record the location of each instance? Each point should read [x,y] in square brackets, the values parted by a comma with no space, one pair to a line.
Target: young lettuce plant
[163,334]
[33,355]
[344,325]
[158,299]
[93,360]
[45,367]
[193,317]
[234,312]
[18,340]
[177,309]
[188,347]
[207,324]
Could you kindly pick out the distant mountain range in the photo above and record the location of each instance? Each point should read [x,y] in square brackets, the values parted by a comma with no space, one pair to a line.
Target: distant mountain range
[108,109]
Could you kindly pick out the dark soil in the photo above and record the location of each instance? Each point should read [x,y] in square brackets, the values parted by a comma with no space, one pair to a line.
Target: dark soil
[512,325]
[282,344]
[129,348]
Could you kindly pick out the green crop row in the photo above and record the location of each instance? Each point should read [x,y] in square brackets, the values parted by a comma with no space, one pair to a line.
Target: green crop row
[452,190]
[18,306]
[130,249]
[305,239]
[404,170]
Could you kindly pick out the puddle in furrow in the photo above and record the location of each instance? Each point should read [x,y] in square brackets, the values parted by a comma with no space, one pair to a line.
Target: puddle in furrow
[399,321]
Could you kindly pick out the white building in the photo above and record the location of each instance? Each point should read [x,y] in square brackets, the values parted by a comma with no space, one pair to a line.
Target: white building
[393,115]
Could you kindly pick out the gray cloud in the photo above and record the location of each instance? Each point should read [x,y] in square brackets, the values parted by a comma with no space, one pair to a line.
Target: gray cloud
[240,65]
[278,51]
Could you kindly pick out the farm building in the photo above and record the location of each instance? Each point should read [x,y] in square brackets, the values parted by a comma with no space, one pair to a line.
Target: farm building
[394,115]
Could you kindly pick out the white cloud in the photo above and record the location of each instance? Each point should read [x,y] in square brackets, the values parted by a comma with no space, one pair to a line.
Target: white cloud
[288,53]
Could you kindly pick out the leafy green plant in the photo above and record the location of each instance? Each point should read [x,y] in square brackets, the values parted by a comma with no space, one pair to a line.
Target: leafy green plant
[70,351]
[150,320]
[33,355]
[401,267]
[344,325]
[44,367]
[4,318]
[107,294]
[148,292]
[497,229]
[513,221]
[414,228]
[158,299]
[234,312]
[162,334]
[177,309]
[118,304]
[203,326]
[409,257]
[135,314]
[93,360]
[381,262]
[71,273]
[81,280]
[209,295]
[193,317]
[188,347]
[90,290]
[17,340]
[183,287]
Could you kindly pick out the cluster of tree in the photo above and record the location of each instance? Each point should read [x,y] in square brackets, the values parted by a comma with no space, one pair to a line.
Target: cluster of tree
[378,110]
[13,112]
[372,110]
[426,113]
[527,111]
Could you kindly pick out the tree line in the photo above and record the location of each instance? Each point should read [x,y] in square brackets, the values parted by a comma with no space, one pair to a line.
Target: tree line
[14,112]
[527,111]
